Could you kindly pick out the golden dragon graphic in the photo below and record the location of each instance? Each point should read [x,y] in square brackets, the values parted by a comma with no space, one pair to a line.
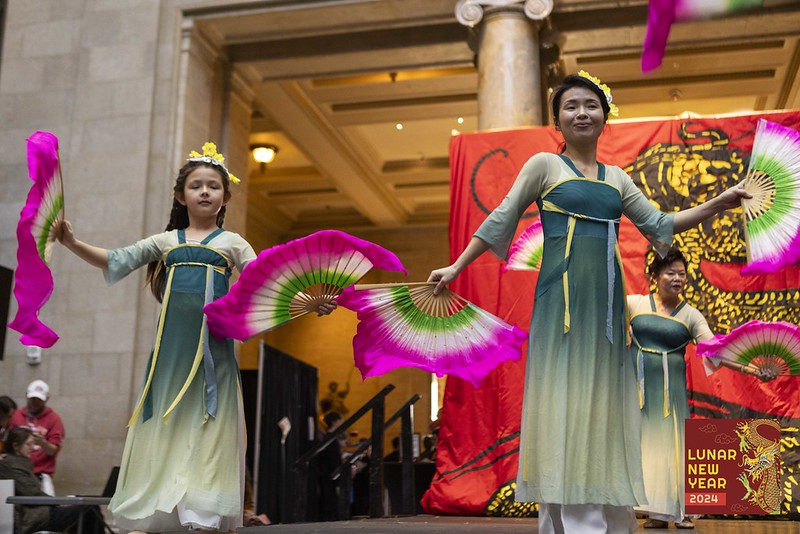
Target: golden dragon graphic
[761,463]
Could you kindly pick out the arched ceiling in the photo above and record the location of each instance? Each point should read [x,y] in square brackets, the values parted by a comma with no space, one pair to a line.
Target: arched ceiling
[337,76]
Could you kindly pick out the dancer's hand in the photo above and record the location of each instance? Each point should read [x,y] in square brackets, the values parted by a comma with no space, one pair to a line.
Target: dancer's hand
[62,229]
[443,276]
[732,198]
[766,375]
[326,308]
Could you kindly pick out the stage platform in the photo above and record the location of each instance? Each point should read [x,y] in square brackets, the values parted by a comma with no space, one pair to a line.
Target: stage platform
[428,524]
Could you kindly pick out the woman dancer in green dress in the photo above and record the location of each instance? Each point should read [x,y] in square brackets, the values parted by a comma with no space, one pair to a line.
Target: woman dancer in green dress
[662,324]
[580,433]
[183,462]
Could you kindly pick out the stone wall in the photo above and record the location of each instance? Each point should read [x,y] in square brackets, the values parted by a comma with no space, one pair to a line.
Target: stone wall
[129,87]
[84,70]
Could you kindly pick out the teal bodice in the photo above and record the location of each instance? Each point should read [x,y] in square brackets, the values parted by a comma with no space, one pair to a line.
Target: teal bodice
[194,261]
[574,209]
[192,269]
[657,335]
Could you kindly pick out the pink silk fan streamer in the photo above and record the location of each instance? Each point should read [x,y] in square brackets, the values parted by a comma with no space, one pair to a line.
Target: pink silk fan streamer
[33,282]
[663,13]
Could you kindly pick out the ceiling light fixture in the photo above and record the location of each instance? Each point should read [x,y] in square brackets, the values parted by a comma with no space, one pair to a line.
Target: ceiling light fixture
[399,125]
[264,153]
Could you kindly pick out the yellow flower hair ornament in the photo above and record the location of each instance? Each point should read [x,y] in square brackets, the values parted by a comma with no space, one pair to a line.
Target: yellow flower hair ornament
[613,110]
[210,155]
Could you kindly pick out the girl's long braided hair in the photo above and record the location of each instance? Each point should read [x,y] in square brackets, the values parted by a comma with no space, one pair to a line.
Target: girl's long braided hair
[179,219]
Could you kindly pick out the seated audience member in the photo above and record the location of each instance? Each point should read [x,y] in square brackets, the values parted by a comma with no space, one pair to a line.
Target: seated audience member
[17,466]
[48,432]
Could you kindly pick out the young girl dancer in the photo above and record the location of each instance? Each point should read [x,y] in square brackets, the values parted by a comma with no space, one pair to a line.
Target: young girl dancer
[183,463]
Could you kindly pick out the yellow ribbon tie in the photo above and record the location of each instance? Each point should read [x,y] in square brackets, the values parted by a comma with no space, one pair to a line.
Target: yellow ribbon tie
[565,277]
[198,358]
[665,365]
[162,317]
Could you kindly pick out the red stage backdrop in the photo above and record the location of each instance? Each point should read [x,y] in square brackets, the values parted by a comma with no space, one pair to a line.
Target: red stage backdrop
[677,163]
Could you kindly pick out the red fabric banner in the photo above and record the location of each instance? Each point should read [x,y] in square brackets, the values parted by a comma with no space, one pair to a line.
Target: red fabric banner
[677,163]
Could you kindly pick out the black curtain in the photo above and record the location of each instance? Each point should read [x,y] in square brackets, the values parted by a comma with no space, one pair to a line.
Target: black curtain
[289,390]
[6,278]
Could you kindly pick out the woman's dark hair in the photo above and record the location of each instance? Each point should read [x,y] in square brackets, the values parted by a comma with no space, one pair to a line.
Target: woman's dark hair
[16,436]
[571,81]
[179,219]
[658,264]
[8,402]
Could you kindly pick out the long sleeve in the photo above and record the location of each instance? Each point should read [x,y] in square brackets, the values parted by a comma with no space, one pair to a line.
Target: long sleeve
[20,470]
[702,332]
[655,225]
[500,226]
[123,261]
[241,251]
[699,326]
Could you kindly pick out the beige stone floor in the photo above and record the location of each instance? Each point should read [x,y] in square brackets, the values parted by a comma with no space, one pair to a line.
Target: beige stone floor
[427,524]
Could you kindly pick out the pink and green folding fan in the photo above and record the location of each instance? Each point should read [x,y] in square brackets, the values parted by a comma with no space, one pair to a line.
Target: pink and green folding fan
[33,282]
[772,346]
[290,280]
[406,325]
[772,216]
[663,13]
[526,252]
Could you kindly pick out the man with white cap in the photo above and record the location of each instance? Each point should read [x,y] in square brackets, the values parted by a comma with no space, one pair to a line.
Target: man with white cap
[48,432]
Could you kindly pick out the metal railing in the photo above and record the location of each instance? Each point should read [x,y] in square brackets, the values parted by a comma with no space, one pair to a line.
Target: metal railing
[377,405]
[408,506]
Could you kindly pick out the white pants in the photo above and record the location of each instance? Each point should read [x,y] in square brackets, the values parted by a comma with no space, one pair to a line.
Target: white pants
[47,484]
[586,519]
[672,519]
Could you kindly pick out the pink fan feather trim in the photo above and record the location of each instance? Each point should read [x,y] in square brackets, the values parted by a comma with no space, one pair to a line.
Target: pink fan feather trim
[375,357]
[229,316]
[663,13]
[712,347]
[772,264]
[33,281]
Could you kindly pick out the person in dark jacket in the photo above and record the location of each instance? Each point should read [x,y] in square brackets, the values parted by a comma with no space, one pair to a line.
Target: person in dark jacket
[17,466]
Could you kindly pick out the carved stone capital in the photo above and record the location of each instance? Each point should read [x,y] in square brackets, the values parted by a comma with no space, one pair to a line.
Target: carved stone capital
[470,12]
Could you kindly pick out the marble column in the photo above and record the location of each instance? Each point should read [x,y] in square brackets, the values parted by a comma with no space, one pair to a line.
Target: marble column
[509,79]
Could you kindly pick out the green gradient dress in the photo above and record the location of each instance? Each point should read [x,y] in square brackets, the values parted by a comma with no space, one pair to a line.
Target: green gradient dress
[659,345]
[580,433]
[183,462]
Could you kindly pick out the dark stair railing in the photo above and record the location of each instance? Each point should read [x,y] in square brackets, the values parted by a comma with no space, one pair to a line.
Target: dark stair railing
[378,406]
[409,507]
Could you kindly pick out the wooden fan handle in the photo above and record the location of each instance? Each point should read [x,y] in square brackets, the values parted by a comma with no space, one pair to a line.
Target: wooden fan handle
[389,285]
[61,181]
[742,368]
[746,233]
